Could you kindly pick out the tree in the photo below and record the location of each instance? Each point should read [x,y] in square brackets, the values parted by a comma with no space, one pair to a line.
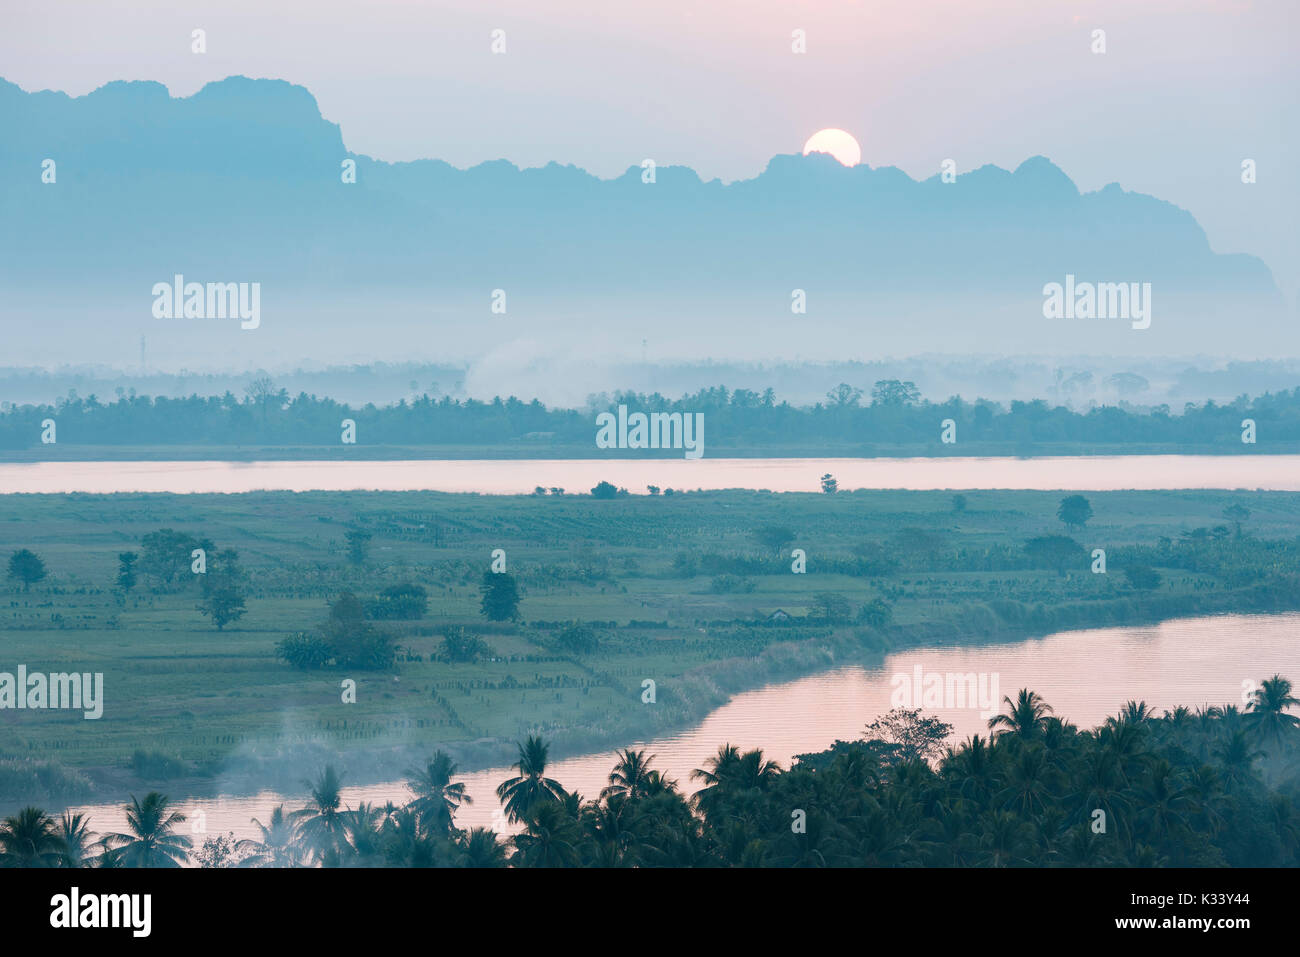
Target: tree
[166,554]
[1142,577]
[910,736]
[223,605]
[220,850]
[1074,511]
[353,641]
[774,537]
[26,566]
[304,651]
[460,645]
[631,777]
[604,490]
[29,839]
[407,602]
[1055,551]
[959,503]
[844,396]
[500,597]
[321,822]
[277,843]
[829,485]
[652,489]
[829,606]
[436,797]
[1267,713]
[876,613]
[74,840]
[1026,717]
[530,787]
[579,638]
[358,543]
[1236,513]
[892,392]
[151,839]
[126,570]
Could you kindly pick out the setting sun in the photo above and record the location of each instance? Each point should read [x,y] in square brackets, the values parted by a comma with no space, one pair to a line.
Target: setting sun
[839,144]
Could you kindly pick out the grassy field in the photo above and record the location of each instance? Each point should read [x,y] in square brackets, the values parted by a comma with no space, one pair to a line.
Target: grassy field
[677,589]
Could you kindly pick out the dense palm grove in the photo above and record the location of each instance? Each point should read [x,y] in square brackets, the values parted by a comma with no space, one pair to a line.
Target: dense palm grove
[1212,787]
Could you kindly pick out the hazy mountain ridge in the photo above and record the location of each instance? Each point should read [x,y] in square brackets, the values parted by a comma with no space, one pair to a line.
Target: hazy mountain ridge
[242,182]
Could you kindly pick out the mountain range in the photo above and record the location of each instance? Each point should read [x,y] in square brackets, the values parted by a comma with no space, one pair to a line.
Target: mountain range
[244,181]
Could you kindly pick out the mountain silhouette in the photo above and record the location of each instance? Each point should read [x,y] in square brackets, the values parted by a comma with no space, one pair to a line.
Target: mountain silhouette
[243,182]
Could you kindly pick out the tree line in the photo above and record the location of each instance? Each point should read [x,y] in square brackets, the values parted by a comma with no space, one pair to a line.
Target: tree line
[1212,787]
[893,413]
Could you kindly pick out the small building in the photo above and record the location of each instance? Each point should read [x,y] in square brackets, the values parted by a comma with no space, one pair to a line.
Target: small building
[779,615]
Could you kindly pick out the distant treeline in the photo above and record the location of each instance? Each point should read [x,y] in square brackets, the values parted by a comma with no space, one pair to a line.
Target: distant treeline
[894,413]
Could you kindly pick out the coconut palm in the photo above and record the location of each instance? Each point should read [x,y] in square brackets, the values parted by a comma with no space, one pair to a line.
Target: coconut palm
[531,786]
[631,776]
[1025,716]
[436,798]
[321,822]
[480,848]
[277,844]
[29,839]
[75,840]
[551,836]
[1266,715]
[729,773]
[152,840]
[363,832]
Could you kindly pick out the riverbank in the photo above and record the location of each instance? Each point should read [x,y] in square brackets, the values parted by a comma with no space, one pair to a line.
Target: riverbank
[682,591]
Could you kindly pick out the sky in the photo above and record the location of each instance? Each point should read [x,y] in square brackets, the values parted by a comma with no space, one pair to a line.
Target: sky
[1183,94]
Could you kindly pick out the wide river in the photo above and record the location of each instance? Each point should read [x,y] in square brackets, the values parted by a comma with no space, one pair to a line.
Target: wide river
[515,476]
[1084,675]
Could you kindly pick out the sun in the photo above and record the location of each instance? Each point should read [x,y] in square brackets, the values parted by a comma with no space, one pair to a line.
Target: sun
[839,144]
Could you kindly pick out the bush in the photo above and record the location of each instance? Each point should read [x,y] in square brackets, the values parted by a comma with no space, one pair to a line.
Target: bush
[730,585]
[304,651]
[155,764]
[1142,577]
[876,613]
[460,645]
[401,602]
[578,638]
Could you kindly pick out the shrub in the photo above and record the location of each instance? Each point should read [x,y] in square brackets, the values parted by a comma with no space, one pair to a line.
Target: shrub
[304,651]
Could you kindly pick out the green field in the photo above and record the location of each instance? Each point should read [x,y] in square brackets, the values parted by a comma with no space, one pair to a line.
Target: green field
[676,588]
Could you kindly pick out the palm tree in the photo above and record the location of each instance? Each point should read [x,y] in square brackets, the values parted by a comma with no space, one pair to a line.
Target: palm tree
[551,836]
[729,772]
[436,798]
[531,786]
[631,776]
[1025,716]
[151,841]
[363,829]
[1238,759]
[480,848]
[277,845]
[75,838]
[1266,715]
[321,821]
[28,839]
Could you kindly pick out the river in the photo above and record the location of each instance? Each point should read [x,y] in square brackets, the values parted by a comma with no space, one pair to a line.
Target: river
[506,477]
[1084,675]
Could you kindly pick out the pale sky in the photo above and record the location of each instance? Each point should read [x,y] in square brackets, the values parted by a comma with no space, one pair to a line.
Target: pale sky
[1184,92]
